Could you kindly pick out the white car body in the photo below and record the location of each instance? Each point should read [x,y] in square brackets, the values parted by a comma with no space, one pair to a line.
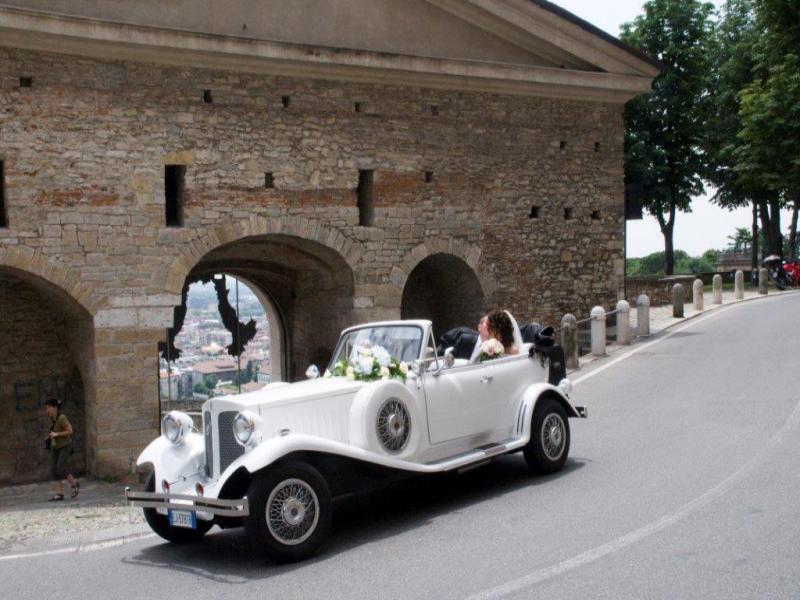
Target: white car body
[460,417]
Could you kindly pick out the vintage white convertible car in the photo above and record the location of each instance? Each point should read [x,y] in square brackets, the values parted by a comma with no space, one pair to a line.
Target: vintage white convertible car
[272,460]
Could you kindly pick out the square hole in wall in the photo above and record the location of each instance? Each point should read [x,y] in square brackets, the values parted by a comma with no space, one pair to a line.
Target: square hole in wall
[535,211]
[286,101]
[567,214]
[26,82]
[207,97]
[434,110]
[358,107]
[269,181]
[562,145]
[595,215]
[597,146]
[428,176]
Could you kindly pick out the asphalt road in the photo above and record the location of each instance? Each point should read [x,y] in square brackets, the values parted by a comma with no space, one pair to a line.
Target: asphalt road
[683,483]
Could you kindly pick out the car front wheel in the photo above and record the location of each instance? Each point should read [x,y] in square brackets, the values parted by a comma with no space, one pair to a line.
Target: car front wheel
[290,511]
[548,448]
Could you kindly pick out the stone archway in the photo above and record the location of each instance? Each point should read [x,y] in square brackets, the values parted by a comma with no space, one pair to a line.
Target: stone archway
[444,289]
[47,345]
[310,288]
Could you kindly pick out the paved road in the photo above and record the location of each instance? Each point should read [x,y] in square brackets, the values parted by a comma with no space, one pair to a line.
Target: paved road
[684,483]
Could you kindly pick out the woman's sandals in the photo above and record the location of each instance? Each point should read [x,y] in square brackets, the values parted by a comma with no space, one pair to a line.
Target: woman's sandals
[76,489]
[56,498]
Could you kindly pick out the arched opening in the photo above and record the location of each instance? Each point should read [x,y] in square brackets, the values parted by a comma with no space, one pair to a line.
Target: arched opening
[444,289]
[305,287]
[47,350]
[206,358]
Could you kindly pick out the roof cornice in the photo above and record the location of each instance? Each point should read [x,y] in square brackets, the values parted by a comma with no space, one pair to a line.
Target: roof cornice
[49,32]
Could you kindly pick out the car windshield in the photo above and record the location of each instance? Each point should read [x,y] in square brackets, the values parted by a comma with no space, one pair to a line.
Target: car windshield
[402,342]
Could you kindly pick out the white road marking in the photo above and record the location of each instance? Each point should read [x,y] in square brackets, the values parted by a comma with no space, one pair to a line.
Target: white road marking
[526,581]
[81,548]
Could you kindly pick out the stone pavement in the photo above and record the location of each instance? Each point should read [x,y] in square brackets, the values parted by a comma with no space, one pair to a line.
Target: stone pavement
[29,523]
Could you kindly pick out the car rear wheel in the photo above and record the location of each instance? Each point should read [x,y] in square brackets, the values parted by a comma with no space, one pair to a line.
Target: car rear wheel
[290,511]
[160,523]
[548,448]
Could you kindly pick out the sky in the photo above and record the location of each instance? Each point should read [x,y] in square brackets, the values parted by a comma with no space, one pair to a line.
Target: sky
[707,226]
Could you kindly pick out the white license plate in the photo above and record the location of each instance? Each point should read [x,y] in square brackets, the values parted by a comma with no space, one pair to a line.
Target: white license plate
[183,518]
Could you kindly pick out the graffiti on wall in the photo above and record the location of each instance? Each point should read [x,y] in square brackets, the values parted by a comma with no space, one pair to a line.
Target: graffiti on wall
[31,394]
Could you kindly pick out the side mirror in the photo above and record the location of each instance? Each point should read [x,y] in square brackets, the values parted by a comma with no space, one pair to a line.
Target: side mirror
[312,372]
[418,368]
[449,358]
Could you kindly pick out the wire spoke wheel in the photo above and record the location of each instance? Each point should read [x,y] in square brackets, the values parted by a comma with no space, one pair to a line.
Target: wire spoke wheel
[292,511]
[393,425]
[553,436]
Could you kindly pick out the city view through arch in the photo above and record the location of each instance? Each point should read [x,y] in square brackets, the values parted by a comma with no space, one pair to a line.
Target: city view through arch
[205,367]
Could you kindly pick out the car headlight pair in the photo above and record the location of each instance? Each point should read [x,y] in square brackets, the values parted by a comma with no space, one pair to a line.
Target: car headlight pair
[175,426]
[245,427]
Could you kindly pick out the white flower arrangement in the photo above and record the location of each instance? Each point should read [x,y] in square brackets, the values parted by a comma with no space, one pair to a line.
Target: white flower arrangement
[491,349]
[370,364]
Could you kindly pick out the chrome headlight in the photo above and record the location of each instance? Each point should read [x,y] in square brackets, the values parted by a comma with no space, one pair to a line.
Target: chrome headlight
[245,426]
[565,385]
[175,425]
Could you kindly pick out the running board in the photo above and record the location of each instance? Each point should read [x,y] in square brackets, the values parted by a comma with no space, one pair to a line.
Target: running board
[477,457]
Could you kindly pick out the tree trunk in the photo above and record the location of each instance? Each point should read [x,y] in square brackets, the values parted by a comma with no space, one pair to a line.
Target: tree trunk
[793,230]
[667,229]
[769,211]
[754,272]
[775,222]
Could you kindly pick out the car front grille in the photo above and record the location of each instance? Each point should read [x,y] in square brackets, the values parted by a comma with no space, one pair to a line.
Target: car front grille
[229,448]
[208,433]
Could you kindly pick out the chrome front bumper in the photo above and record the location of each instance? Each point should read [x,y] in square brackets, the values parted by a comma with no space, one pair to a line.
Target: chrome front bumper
[214,506]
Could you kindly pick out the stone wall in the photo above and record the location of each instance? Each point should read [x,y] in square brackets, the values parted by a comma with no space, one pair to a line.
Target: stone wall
[658,289]
[525,192]
[36,365]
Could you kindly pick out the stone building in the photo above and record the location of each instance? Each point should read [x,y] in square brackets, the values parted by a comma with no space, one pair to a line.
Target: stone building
[350,159]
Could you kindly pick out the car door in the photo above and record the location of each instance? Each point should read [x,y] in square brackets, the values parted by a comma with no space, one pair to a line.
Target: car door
[459,402]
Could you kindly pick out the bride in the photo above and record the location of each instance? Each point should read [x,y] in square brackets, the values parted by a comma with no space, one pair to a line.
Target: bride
[500,325]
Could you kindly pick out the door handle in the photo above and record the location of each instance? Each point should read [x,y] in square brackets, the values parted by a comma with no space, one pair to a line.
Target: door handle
[486,379]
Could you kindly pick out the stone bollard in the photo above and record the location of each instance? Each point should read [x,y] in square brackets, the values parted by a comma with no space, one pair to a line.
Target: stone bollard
[569,340]
[598,315]
[697,294]
[717,289]
[763,281]
[643,315]
[623,323]
[677,300]
[738,285]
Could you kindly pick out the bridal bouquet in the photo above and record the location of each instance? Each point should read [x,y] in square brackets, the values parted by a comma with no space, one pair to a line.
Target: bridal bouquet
[370,364]
[491,349]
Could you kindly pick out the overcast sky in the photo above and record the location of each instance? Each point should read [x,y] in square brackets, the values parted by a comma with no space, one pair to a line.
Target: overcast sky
[707,226]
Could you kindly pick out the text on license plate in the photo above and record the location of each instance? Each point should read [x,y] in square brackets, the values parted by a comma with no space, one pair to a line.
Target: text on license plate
[183,518]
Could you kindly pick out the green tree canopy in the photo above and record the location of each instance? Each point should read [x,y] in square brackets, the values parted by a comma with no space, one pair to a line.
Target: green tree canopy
[665,129]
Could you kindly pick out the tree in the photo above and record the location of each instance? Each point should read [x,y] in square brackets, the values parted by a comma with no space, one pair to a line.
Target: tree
[665,129]
[741,241]
[210,382]
[200,388]
[734,39]
[756,132]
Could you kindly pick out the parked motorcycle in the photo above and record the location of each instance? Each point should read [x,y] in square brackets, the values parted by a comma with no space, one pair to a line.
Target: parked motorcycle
[783,274]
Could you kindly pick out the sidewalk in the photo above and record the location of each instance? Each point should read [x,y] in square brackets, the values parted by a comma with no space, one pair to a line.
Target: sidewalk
[29,523]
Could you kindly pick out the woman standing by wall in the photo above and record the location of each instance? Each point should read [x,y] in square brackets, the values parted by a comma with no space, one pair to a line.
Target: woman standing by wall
[59,445]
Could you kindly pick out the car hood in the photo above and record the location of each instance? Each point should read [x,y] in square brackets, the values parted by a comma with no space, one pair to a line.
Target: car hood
[281,393]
